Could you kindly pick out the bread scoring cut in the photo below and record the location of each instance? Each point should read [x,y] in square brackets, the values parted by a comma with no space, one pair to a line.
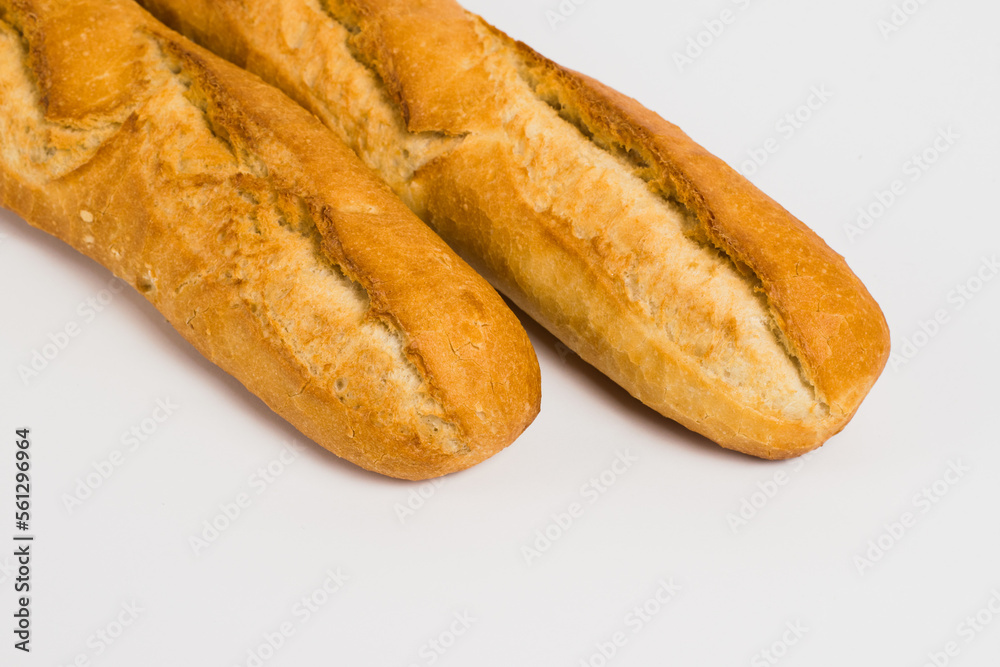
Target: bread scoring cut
[640,250]
[259,236]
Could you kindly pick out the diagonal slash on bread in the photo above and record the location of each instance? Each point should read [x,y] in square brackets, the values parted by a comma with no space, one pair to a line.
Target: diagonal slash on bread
[643,252]
[259,236]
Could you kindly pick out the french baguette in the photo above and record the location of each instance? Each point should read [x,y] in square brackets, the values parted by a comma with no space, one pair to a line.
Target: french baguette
[644,253]
[259,236]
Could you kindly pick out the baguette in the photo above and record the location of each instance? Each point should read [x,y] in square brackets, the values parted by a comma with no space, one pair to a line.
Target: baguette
[259,236]
[644,253]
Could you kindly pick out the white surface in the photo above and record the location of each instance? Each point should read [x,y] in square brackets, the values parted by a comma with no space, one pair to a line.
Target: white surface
[666,516]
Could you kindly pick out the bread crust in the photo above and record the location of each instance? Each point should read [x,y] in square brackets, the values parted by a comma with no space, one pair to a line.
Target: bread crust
[259,236]
[441,73]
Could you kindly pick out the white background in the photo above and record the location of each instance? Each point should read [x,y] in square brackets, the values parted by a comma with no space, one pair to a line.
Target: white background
[669,516]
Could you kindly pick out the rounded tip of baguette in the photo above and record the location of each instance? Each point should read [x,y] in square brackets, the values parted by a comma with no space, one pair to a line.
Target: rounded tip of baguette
[400,450]
[778,439]
[496,398]
[473,401]
[418,460]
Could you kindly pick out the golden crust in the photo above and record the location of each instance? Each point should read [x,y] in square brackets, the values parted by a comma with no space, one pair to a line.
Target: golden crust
[831,322]
[768,348]
[259,236]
